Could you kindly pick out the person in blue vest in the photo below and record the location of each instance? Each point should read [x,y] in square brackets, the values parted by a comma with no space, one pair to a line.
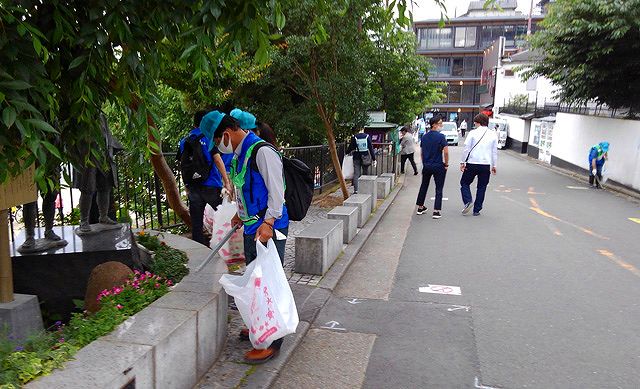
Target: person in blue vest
[598,155]
[209,191]
[259,188]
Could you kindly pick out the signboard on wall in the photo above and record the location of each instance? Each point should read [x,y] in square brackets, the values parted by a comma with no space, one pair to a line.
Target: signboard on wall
[490,64]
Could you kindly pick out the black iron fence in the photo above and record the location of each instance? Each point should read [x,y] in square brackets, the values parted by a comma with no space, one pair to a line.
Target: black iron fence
[537,110]
[140,199]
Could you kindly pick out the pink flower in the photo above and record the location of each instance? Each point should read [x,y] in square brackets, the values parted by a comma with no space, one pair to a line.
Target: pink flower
[136,272]
[119,306]
[169,282]
[142,277]
[61,340]
[157,285]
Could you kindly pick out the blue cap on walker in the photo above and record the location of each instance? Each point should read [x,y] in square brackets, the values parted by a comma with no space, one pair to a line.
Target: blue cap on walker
[209,124]
[247,120]
[604,146]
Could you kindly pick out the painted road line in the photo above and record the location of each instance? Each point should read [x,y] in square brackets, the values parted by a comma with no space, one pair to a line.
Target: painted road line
[635,219]
[577,187]
[458,307]
[443,199]
[553,217]
[623,264]
[532,191]
[441,289]
[478,385]
[333,325]
[354,301]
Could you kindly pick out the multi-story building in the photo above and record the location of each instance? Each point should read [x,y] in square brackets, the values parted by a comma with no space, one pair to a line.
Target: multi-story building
[458,48]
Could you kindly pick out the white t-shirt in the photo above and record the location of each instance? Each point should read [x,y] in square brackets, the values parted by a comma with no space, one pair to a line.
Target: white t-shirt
[486,152]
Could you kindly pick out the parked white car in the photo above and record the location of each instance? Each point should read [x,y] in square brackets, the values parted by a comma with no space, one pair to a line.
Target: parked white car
[450,131]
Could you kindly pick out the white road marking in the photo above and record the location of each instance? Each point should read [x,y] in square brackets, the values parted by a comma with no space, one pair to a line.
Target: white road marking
[354,301]
[478,385]
[443,199]
[577,187]
[458,307]
[333,325]
[441,289]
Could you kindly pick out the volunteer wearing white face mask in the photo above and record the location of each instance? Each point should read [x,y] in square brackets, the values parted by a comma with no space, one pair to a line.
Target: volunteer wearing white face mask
[257,174]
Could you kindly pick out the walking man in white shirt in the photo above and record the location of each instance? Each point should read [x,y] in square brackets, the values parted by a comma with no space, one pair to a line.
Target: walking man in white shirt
[480,156]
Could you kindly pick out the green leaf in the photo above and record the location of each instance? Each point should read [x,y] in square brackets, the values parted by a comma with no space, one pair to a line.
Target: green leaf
[280,20]
[188,51]
[77,62]
[16,84]
[42,125]
[9,116]
[52,149]
[37,45]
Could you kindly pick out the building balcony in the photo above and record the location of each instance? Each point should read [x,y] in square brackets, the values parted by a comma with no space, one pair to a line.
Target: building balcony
[470,80]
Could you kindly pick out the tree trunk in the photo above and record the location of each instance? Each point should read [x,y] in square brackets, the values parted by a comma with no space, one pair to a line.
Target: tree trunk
[333,151]
[165,174]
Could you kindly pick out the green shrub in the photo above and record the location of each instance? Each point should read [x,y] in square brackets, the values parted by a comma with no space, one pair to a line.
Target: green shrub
[150,242]
[170,263]
[46,351]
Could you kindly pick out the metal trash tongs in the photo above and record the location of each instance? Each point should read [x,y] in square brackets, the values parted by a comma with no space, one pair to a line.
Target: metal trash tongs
[215,250]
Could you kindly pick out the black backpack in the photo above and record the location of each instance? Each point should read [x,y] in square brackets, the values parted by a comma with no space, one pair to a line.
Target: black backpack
[298,184]
[194,164]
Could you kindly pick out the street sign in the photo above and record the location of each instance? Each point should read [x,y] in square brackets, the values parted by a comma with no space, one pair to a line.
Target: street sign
[441,289]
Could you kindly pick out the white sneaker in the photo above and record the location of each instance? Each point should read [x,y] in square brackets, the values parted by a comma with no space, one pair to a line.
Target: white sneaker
[467,208]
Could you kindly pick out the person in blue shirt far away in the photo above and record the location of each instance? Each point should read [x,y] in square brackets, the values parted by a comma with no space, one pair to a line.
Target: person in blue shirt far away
[598,155]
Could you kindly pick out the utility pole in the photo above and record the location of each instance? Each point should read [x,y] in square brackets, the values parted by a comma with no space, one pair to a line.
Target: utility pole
[529,24]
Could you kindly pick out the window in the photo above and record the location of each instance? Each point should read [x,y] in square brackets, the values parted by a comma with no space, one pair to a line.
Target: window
[422,38]
[468,94]
[470,67]
[454,93]
[441,67]
[457,68]
[471,37]
[460,36]
[438,38]
[510,36]
[465,37]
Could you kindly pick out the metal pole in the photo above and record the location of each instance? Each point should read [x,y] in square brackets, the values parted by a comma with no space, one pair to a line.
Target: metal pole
[529,23]
[214,250]
[6,273]
[156,183]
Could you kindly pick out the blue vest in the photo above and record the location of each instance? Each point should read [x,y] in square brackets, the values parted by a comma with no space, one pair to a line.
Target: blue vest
[255,191]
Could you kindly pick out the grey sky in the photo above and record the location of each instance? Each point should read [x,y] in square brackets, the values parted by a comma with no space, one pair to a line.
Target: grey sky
[427,9]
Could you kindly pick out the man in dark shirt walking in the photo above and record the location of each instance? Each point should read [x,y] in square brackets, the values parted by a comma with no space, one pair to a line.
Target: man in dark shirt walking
[363,156]
[435,161]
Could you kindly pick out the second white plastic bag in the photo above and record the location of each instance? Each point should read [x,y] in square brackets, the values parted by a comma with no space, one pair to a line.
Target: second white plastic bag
[263,297]
[233,250]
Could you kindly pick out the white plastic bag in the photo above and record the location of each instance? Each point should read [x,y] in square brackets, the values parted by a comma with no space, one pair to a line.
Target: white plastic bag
[207,220]
[347,167]
[263,297]
[233,250]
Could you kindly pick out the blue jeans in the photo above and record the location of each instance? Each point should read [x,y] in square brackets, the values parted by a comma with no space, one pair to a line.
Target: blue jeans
[483,172]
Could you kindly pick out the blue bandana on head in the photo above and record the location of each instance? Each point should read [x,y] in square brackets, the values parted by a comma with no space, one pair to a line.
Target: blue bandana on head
[247,120]
[604,146]
[209,124]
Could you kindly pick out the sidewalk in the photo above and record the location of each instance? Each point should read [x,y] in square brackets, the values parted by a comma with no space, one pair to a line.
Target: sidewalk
[310,294]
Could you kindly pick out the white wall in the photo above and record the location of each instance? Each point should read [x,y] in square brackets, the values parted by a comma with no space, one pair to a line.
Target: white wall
[509,86]
[573,136]
[518,128]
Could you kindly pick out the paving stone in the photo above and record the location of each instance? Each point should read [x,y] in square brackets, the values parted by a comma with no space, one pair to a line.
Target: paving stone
[363,203]
[349,217]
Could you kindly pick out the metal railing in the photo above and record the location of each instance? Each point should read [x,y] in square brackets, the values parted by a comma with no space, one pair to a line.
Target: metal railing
[141,200]
[552,108]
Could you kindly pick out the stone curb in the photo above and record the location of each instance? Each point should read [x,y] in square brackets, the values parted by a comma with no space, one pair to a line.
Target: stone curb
[264,378]
[576,176]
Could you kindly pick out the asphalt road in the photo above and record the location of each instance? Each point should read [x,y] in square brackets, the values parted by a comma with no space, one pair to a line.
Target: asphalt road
[549,293]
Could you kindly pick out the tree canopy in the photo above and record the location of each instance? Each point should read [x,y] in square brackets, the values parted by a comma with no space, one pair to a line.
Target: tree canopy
[591,49]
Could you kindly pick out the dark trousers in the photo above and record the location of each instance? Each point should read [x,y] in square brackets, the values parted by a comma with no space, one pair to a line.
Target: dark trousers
[483,172]
[403,159]
[592,177]
[439,173]
[199,197]
[250,255]
[358,170]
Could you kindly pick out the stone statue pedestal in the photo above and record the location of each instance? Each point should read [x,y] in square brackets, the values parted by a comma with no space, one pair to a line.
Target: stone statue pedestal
[59,275]
[41,245]
[98,228]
